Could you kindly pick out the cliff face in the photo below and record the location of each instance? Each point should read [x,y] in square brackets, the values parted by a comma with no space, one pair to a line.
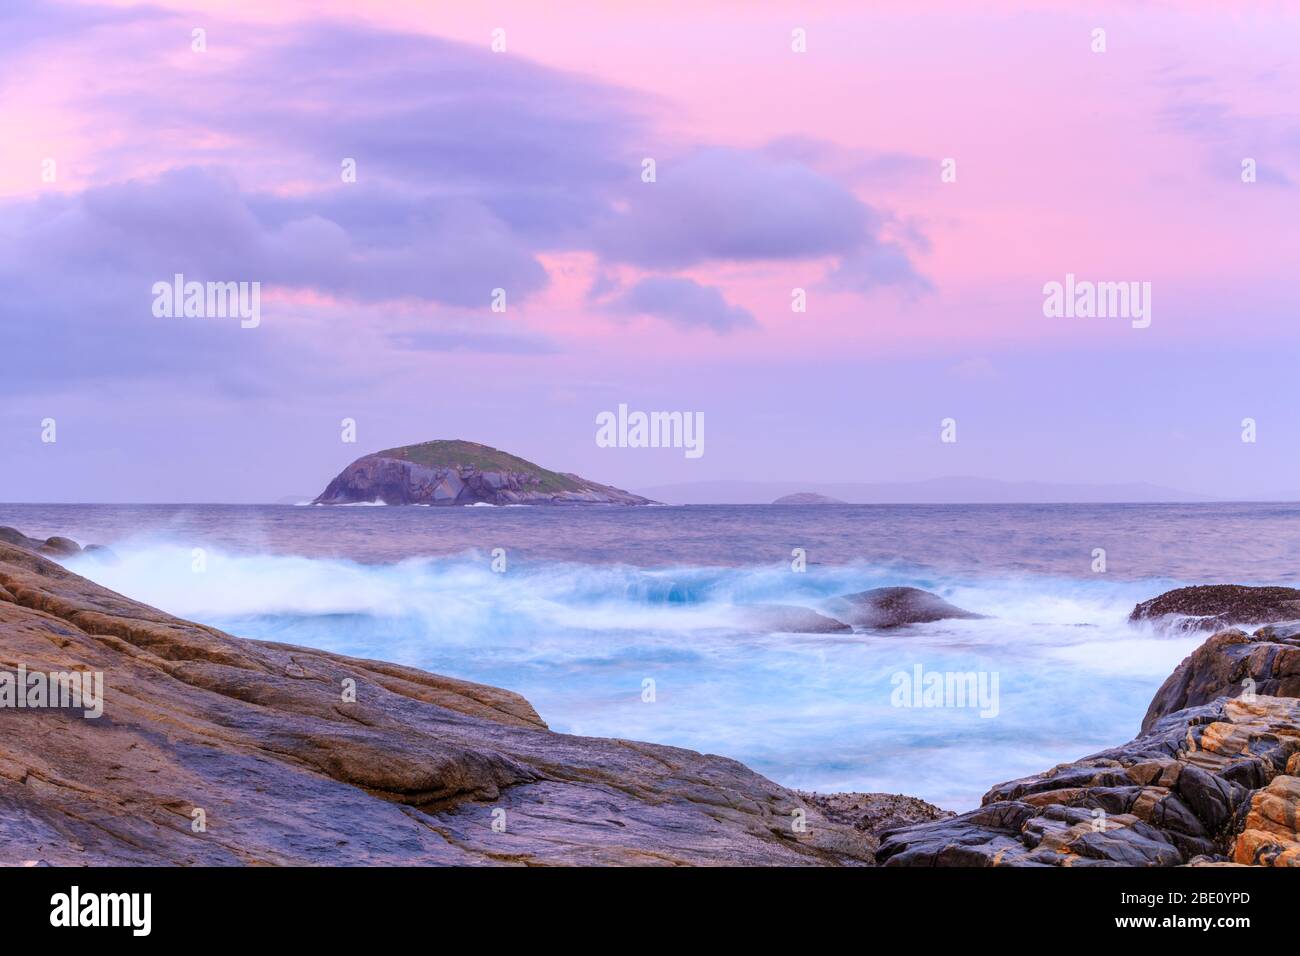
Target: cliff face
[216,750]
[462,473]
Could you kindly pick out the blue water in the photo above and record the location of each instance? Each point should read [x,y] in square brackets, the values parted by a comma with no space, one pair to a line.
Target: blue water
[596,602]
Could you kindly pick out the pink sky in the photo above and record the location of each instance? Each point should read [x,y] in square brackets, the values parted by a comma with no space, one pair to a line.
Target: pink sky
[1115,166]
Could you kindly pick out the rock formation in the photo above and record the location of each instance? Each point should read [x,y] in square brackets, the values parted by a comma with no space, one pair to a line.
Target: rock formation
[1214,776]
[462,473]
[216,750]
[894,607]
[1231,664]
[1213,607]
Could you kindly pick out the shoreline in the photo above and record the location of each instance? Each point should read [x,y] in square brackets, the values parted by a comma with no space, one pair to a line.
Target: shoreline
[422,769]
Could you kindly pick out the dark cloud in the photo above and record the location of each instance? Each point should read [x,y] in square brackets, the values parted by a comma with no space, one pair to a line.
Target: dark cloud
[684,303]
[719,204]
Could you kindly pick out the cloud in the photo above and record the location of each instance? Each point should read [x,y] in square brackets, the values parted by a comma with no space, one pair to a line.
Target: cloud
[471,167]
[1227,134]
[684,303]
[718,204]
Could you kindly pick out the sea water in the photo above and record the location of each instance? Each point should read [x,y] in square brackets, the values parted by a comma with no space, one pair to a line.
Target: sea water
[630,622]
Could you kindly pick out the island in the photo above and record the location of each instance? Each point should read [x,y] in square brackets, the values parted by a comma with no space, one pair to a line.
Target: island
[808,498]
[456,472]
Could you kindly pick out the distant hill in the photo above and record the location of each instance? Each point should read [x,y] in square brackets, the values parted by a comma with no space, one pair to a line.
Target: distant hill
[952,490]
[456,472]
[807,498]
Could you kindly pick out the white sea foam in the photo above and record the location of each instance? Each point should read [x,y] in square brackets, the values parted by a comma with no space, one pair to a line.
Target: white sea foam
[809,710]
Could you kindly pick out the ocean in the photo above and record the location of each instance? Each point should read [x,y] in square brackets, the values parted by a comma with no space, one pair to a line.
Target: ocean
[630,622]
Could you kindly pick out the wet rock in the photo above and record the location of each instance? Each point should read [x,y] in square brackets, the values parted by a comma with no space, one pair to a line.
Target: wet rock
[17,538]
[60,547]
[1230,664]
[875,812]
[1271,832]
[295,756]
[789,619]
[1179,792]
[895,607]
[1214,607]
[101,553]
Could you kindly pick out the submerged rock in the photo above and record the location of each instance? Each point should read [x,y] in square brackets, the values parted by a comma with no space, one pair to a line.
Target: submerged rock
[1213,607]
[895,607]
[290,755]
[790,619]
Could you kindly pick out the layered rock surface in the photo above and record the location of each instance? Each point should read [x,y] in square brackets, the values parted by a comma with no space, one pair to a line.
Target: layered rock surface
[462,473]
[1211,778]
[257,741]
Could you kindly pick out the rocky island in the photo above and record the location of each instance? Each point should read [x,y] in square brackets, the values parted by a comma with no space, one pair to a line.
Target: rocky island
[808,498]
[454,472]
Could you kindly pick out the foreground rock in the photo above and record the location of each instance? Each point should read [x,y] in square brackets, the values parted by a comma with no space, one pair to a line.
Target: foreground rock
[1211,782]
[462,473]
[895,607]
[258,742]
[1213,607]
[54,547]
[1229,665]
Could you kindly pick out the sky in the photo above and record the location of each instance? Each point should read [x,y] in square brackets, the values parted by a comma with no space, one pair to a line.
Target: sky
[920,170]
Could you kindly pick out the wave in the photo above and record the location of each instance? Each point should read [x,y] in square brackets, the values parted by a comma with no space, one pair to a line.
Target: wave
[809,710]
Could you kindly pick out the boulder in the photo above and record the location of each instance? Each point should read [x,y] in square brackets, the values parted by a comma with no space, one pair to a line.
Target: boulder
[60,547]
[895,607]
[1213,607]
[1229,664]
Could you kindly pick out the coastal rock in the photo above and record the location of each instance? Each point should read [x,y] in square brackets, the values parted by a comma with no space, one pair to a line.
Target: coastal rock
[448,473]
[1213,607]
[874,813]
[894,607]
[1182,791]
[1270,836]
[807,498]
[790,619]
[294,756]
[1230,664]
[60,547]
